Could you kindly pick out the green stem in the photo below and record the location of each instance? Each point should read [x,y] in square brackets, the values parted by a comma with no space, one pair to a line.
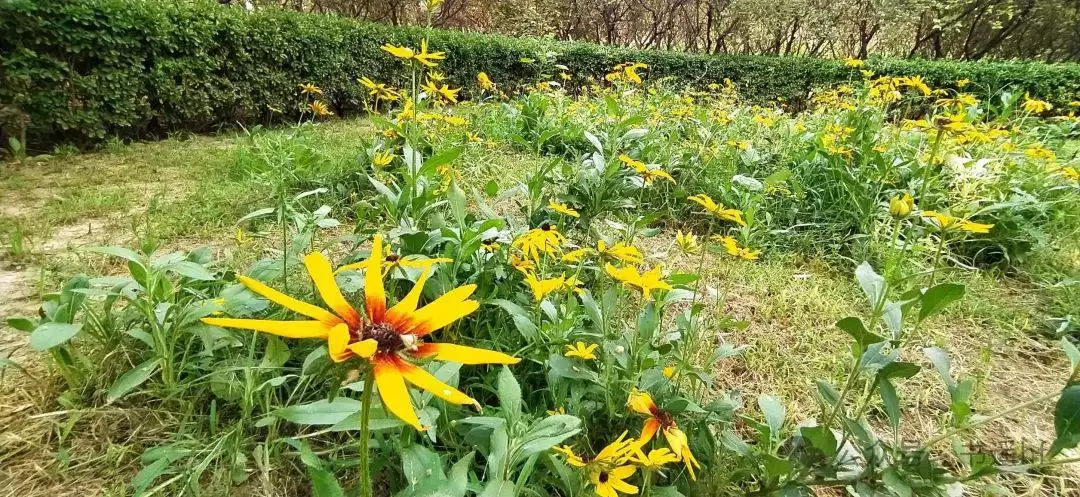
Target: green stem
[926,170]
[365,434]
[980,422]
[937,258]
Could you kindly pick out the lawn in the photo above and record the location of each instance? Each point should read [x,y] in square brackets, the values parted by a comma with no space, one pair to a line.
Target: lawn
[818,205]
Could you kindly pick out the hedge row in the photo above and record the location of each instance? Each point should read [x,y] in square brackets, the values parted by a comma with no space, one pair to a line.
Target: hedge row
[82,70]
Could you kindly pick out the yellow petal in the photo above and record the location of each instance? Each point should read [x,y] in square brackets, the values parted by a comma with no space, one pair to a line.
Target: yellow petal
[298,306]
[288,329]
[463,354]
[408,304]
[394,394]
[374,293]
[364,348]
[426,381]
[323,276]
[446,309]
[337,342]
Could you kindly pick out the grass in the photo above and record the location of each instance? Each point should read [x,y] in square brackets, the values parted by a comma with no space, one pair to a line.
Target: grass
[190,192]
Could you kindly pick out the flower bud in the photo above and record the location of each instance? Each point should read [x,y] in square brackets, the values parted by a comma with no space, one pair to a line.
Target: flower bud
[901,206]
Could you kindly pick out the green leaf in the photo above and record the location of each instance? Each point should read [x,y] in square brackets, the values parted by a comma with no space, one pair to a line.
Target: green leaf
[21,324]
[872,284]
[498,488]
[828,393]
[190,269]
[938,297]
[457,200]
[854,326]
[320,412]
[131,379]
[419,463]
[895,483]
[121,252]
[891,401]
[1066,420]
[1070,351]
[940,359]
[50,335]
[324,484]
[820,438]
[899,370]
[509,392]
[670,491]
[444,157]
[774,413]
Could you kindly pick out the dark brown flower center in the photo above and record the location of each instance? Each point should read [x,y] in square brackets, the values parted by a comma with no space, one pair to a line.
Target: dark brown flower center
[665,418]
[545,226]
[603,477]
[392,257]
[388,339]
[489,241]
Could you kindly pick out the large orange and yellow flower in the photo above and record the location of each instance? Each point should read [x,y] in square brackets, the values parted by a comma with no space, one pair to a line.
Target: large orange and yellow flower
[662,421]
[386,337]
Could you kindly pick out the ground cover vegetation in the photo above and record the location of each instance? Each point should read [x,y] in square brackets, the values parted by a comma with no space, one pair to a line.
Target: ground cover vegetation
[543,292]
[79,72]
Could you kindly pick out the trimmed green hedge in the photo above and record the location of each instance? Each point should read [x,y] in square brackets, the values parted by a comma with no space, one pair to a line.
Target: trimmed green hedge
[83,70]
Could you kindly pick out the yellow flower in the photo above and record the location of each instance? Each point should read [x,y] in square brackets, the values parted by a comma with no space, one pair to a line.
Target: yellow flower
[1039,153]
[544,240]
[382,159]
[485,82]
[436,76]
[650,175]
[1035,106]
[575,256]
[426,58]
[916,83]
[241,238]
[379,90]
[553,412]
[852,62]
[319,108]
[399,52]
[541,288]
[687,242]
[636,165]
[444,92]
[1071,173]
[582,351]
[522,264]
[657,459]
[946,222]
[961,83]
[901,206]
[657,420]
[610,482]
[718,210]
[631,71]
[490,245]
[571,458]
[386,337]
[643,282]
[733,249]
[621,251]
[310,89]
[565,76]
[669,372]
[562,209]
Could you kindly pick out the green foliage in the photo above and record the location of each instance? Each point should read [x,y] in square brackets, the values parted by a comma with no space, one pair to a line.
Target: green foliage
[86,70]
